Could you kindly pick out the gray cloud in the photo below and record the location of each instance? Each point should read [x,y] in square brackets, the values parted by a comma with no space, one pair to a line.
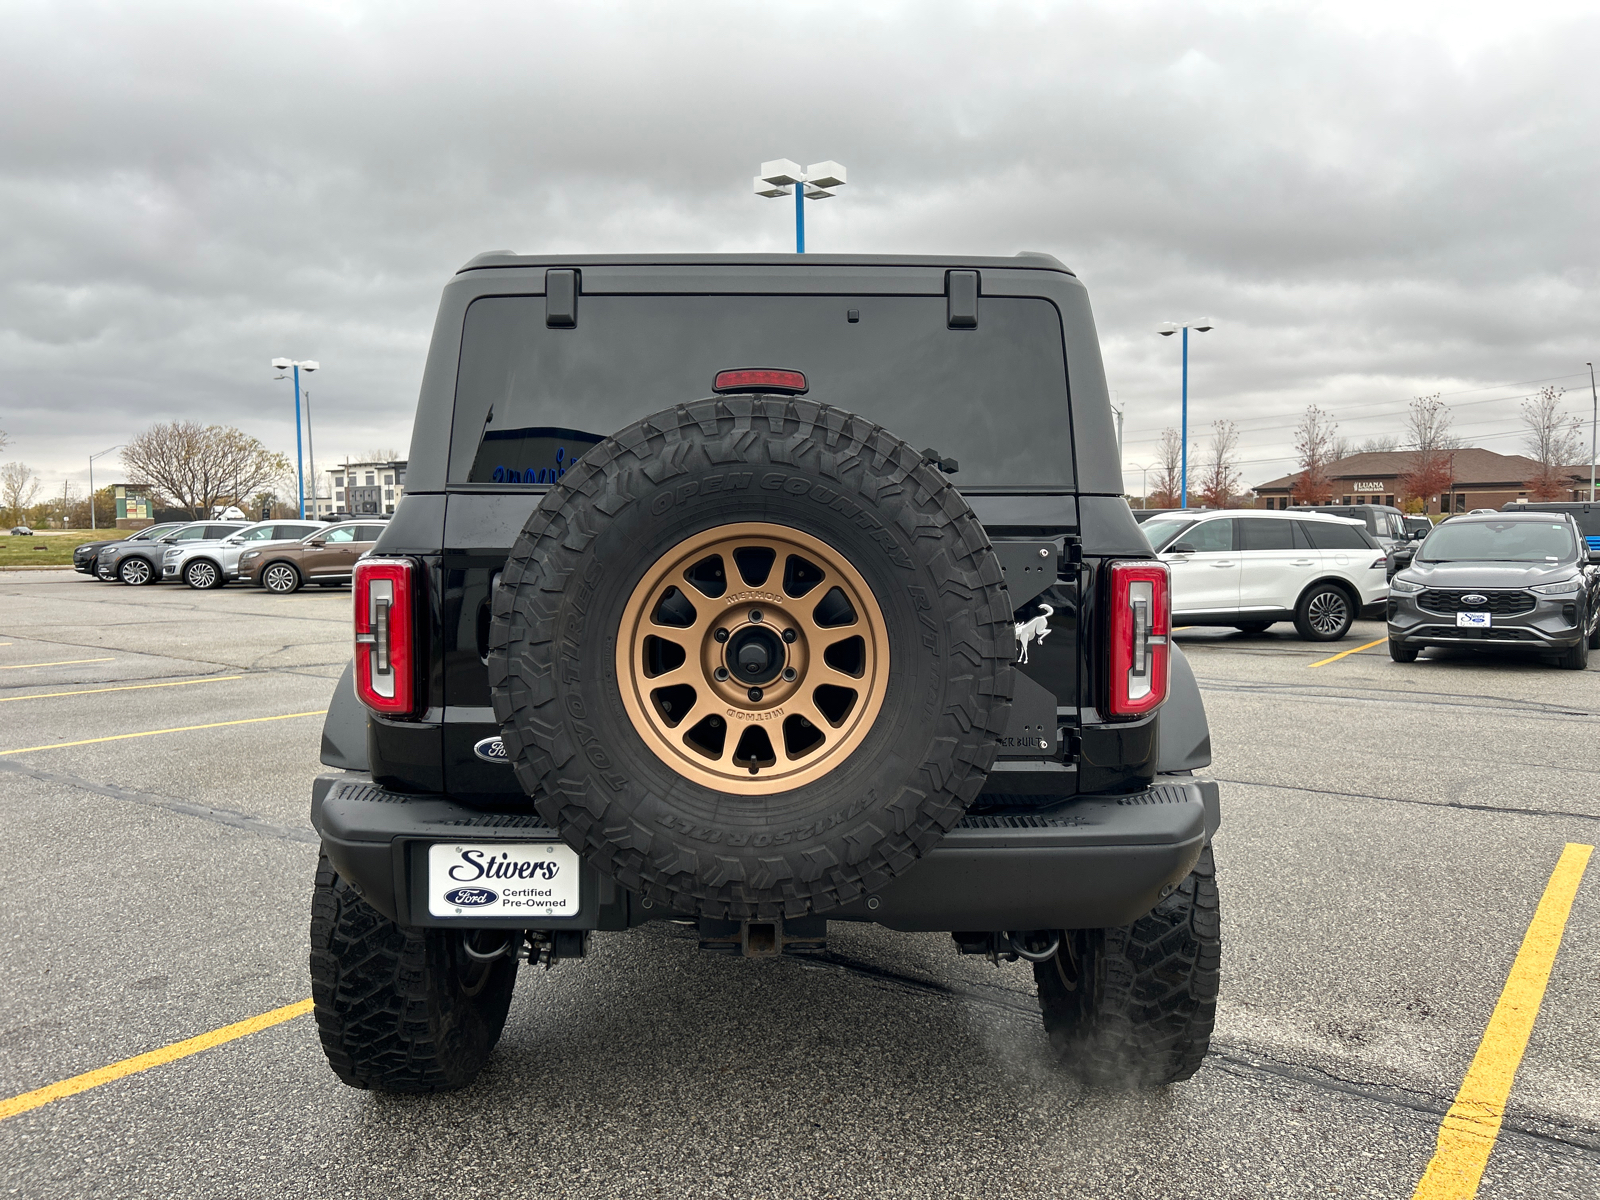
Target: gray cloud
[1375,204]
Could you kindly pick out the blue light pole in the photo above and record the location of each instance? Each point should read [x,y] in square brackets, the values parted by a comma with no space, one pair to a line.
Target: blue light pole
[284,364]
[815,182]
[1167,329]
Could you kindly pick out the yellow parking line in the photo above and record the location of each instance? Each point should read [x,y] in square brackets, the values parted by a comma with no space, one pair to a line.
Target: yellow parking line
[120,737]
[155,1058]
[1347,653]
[71,662]
[1473,1123]
[132,687]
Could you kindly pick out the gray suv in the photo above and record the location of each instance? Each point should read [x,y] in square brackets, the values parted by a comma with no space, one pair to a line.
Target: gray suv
[139,562]
[1504,580]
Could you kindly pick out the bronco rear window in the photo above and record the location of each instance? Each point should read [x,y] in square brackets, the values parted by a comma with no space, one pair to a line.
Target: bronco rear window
[531,399]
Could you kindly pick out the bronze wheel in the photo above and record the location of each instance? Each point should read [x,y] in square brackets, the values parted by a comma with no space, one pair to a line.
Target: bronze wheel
[752,658]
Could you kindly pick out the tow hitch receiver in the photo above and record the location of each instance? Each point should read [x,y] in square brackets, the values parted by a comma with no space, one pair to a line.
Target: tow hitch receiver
[764,939]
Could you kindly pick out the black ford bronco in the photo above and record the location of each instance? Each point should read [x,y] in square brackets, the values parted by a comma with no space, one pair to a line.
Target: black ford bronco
[673,624]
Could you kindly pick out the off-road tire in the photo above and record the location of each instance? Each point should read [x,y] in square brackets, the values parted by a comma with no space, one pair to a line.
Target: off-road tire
[1575,657]
[399,1010]
[1325,613]
[1134,1007]
[203,575]
[281,578]
[831,475]
[1402,653]
[137,572]
[1253,627]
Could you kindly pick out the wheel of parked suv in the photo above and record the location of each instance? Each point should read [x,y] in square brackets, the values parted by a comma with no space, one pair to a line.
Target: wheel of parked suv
[202,573]
[1325,613]
[281,577]
[1575,657]
[751,656]
[404,1010]
[1594,631]
[1402,653]
[1254,626]
[136,572]
[105,575]
[1133,1007]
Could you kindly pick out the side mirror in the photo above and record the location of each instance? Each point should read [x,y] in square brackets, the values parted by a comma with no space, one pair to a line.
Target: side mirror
[318,542]
[1594,556]
[1180,548]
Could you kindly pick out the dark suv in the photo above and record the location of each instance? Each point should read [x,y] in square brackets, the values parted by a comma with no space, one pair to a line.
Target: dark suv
[1519,581]
[673,624]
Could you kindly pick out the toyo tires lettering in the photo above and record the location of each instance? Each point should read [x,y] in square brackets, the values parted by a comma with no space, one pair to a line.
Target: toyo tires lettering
[760,841]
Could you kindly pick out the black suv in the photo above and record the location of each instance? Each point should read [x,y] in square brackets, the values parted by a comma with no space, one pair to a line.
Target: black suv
[672,624]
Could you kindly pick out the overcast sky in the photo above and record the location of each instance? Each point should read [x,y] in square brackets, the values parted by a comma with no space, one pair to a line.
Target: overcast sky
[1372,200]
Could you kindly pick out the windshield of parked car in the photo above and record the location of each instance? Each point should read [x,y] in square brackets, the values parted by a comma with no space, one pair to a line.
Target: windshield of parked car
[1160,531]
[1500,541]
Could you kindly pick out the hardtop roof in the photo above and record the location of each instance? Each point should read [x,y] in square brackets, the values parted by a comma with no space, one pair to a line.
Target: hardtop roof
[1022,260]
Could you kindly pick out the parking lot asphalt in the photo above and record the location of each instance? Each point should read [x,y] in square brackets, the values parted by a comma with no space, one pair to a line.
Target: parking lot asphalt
[1388,832]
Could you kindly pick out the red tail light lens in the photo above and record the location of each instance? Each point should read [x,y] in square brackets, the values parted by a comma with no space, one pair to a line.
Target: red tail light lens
[759,379]
[385,634]
[1141,623]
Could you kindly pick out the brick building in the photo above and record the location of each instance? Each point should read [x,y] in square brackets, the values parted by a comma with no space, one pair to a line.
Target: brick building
[1480,479]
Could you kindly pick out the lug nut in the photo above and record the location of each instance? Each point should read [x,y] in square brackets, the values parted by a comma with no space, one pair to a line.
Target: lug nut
[788,674]
[789,635]
[755,693]
[721,635]
[720,674]
[755,616]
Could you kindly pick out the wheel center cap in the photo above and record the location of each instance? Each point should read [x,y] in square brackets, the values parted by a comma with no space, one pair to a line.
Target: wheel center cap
[755,656]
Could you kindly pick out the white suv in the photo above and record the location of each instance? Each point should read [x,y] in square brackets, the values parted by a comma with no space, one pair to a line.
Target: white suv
[210,564]
[1251,568]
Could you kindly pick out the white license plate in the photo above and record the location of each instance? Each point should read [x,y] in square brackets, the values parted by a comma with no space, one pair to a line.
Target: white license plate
[1473,620]
[502,879]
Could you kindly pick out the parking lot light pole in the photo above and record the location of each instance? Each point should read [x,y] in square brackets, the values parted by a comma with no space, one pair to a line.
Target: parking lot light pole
[1167,329]
[1594,428]
[92,457]
[285,364]
[815,182]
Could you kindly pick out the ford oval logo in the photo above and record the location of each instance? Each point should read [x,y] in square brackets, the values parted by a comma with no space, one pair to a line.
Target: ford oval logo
[470,897]
[1474,598]
[491,750]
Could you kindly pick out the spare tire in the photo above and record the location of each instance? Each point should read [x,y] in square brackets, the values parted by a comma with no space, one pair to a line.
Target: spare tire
[750,657]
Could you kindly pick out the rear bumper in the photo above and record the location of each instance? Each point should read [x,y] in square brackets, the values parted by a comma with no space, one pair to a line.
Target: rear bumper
[1090,863]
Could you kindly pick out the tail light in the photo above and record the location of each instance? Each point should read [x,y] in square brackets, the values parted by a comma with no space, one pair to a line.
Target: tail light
[1141,661]
[385,634]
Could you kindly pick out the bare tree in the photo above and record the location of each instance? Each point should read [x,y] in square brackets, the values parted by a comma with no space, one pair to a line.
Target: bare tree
[1387,443]
[198,465]
[380,455]
[1169,471]
[1431,470]
[19,484]
[1317,445]
[1554,442]
[1219,475]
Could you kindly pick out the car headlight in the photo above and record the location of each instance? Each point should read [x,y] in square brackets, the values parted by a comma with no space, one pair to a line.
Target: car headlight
[1567,587]
[1403,585]
[171,555]
[249,555]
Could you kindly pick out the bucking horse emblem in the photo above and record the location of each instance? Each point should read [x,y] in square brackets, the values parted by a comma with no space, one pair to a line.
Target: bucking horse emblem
[1034,630]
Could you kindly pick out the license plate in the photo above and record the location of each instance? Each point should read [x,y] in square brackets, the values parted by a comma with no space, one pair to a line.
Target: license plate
[502,879]
[1473,620]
